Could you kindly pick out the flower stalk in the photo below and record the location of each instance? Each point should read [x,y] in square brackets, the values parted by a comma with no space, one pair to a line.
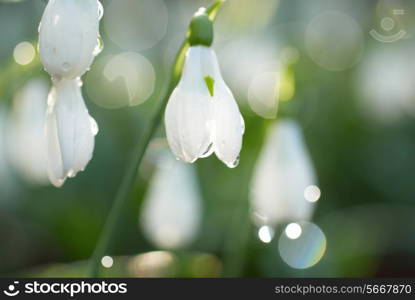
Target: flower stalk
[110,227]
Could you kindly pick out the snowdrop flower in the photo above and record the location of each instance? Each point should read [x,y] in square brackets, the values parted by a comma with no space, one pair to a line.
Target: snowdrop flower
[68,43]
[70,131]
[385,84]
[202,116]
[172,210]
[26,127]
[284,177]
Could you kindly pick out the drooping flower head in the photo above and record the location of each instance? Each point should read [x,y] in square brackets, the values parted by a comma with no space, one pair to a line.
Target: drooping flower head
[202,116]
[284,178]
[26,128]
[172,209]
[68,43]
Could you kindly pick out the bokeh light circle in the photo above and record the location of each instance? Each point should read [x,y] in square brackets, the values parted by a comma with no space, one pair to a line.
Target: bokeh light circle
[136,25]
[293,231]
[263,94]
[304,251]
[125,79]
[312,193]
[334,41]
[107,262]
[24,53]
[265,234]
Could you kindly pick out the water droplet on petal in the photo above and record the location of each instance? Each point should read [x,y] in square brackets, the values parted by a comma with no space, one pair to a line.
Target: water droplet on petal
[94,126]
[79,82]
[66,66]
[100,10]
[235,163]
[99,47]
[243,125]
[71,173]
[208,151]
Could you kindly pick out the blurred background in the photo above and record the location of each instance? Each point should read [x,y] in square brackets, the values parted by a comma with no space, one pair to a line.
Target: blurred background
[324,186]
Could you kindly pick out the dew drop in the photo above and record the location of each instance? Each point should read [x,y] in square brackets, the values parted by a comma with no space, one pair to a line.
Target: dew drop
[99,47]
[79,82]
[71,173]
[208,151]
[94,126]
[100,10]
[235,163]
[66,66]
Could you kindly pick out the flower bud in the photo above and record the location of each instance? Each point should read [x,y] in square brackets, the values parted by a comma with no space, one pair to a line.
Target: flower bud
[200,30]
[68,36]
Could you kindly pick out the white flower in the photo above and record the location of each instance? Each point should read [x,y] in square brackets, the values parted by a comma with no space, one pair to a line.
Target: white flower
[202,116]
[26,129]
[68,43]
[283,178]
[70,131]
[68,36]
[7,182]
[172,210]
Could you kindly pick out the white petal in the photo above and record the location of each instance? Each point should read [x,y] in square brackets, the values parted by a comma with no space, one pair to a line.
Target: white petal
[229,125]
[172,209]
[283,171]
[188,113]
[26,129]
[68,36]
[69,130]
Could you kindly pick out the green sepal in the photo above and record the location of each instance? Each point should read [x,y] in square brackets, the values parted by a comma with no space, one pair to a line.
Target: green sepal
[200,30]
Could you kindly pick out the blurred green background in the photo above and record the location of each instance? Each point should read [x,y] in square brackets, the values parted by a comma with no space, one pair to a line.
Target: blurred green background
[345,73]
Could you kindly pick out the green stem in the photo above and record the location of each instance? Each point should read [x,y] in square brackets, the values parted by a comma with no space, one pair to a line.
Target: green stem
[110,227]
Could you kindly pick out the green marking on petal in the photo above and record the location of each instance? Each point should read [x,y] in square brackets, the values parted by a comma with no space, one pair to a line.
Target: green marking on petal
[210,83]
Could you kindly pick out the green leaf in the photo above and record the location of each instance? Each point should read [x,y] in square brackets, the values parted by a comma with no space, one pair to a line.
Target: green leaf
[210,83]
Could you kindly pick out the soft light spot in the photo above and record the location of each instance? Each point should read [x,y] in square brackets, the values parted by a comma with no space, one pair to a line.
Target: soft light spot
[334,41]
[312,193]
[265,234]
[107,261]
[125,79]
[293,231]
[305,251]
[153,264]
[263,93]
[24,53]
[136,25]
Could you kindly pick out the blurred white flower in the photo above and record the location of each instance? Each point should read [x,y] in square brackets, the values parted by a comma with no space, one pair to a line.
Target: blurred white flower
[70,131]
[172,209]
[69,36]
[282,174]
[26,130]
[7,185]
[202,116]
[68,43]
[385,83]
